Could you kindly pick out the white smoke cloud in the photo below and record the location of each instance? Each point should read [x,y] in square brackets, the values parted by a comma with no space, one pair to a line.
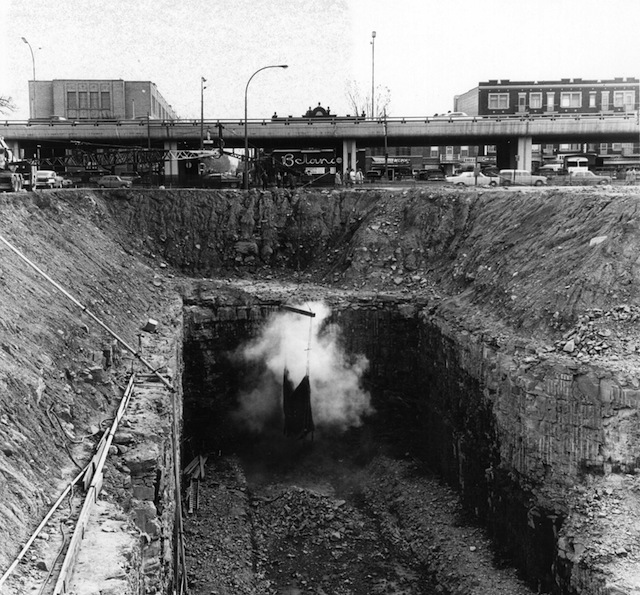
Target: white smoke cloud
[304,343]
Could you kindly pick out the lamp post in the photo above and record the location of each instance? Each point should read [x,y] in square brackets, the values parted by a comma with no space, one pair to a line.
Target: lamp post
[245,173]
[202,88]
[33,65]
[373,47]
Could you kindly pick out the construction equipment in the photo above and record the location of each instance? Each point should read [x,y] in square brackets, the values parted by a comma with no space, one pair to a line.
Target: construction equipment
[15,175]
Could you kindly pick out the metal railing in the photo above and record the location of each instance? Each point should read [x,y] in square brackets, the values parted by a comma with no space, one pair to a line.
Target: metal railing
[334,120]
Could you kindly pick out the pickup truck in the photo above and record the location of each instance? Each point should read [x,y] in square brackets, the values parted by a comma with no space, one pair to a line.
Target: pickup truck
[520,177]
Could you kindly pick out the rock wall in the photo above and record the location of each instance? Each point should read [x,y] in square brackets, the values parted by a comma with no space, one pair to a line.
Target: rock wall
[149,444]
[516,433]
[508,428]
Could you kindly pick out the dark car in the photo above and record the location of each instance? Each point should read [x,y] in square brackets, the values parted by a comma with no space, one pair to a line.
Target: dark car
[221,180]
[373,174]
[431,175]
[113,182]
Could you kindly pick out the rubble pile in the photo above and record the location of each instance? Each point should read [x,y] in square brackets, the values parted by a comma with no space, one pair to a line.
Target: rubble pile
[595,333]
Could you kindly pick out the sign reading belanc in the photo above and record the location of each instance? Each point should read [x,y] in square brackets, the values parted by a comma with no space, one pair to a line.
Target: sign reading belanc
[303,159]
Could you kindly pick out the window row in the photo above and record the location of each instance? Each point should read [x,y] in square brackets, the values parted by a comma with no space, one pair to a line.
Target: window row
[568,99]
[99,100]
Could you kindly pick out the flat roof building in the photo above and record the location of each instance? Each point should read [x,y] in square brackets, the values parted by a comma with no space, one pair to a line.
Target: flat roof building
[97,99]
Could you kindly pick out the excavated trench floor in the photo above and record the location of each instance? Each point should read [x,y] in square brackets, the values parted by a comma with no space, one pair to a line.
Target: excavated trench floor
[339,515]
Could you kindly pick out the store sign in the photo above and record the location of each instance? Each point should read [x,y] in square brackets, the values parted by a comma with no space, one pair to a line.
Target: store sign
[319,159]
[391,161]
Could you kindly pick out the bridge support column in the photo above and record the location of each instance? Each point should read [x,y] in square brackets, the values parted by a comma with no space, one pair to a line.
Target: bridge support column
[523,157]
[349,155]
[171,164]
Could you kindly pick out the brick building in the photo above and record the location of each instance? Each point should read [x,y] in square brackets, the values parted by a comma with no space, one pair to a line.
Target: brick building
[99,99]
[540,98]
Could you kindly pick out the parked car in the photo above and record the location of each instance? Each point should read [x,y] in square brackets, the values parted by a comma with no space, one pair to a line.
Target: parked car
[452,116]
[587,178]
[47,178]
[113,182]
[432,175]
[373,175]
[551,168]
[469,178]
[521,177]
[133,177]
[221,180]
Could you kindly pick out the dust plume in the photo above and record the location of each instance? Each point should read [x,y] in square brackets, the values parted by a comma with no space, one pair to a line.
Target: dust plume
[304,344]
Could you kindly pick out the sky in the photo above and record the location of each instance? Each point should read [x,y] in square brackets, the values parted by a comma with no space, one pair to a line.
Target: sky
[425,51]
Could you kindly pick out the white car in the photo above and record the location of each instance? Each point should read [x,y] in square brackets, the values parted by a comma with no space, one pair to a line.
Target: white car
[469,178]
[452,116]
[587,178]
[521,177]
[46,178]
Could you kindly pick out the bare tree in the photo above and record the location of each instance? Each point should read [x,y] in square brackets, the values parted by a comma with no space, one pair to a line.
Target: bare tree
[6,104]
[360,103]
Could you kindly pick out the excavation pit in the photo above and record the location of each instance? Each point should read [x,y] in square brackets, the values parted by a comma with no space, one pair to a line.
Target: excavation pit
[355,506]
[501,334]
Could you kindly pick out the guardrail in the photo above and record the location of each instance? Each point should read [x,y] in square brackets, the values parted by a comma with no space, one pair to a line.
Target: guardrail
[155,123]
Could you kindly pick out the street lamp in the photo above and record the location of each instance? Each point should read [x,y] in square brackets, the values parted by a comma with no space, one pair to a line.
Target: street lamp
[373,47]
[246,130]
[33,64]
[202,88]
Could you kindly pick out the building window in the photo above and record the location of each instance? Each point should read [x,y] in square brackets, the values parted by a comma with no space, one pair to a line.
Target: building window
[93,100]
[535,100]
[550,101]
[434,151]
[605,101]
[617,147]
[625,99]
[105,100]
[522,102]
[72,100]
[464,151]
[449,152]
[83,100]
[571,99]
[604,148]
[592,99]
[498,100]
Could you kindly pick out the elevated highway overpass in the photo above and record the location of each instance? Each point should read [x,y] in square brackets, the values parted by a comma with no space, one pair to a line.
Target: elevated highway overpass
[512,135]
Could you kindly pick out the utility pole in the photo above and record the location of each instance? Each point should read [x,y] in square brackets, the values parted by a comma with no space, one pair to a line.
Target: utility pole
[373,100]
[202,88]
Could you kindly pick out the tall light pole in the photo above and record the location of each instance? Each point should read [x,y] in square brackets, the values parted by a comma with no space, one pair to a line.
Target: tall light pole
[245,173]
[33,65]
[202,88]
[373,47]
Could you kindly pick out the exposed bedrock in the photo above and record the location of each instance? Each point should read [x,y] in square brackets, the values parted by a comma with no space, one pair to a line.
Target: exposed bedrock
[501,329]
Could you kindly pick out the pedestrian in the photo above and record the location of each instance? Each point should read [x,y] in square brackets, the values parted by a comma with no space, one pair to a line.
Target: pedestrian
[352,176]
[265,180]
[359,176]
[338,178]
